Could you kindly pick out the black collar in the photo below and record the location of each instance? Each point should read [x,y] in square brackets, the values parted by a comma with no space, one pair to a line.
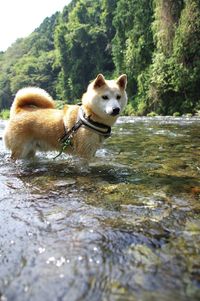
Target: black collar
[99,128]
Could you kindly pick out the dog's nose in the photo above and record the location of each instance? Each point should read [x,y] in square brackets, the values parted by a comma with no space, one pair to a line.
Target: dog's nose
[115,111]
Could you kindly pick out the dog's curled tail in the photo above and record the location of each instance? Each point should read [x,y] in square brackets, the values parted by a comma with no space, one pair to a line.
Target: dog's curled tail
[31,97]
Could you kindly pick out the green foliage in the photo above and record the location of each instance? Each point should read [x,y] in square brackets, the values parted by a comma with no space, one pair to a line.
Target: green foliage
[82,48]
[129,110]
[152,114]
[176,114]
[33,71]
[174,75]
[166,18]
[155,42]
[133,41]
[4,114]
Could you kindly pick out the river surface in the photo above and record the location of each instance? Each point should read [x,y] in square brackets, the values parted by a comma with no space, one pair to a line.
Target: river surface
[124,228]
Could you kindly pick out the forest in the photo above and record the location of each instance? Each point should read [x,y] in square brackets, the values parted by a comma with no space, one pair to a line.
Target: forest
[155,42]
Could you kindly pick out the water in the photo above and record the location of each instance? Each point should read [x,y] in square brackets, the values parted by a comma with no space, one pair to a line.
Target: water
[126,227]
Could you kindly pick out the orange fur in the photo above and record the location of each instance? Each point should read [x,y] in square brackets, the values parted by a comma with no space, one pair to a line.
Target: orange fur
[35,124]
[30,97]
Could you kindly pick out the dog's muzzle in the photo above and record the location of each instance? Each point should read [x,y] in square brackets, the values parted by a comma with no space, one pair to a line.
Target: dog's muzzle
[115,112]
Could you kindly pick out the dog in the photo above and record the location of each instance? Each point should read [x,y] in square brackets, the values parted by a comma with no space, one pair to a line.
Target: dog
[35,123]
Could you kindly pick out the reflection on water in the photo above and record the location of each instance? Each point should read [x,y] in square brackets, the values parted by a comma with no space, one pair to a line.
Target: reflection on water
[126,227]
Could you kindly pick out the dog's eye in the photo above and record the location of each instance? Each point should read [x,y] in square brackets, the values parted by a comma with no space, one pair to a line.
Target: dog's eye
[105,97]
[118,97]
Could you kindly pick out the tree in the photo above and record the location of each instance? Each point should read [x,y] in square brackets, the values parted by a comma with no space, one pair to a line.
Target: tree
[133,41]
[156,42]
[82,48]
[174,75]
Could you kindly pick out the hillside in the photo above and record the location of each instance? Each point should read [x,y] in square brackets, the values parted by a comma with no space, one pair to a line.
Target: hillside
[156,42]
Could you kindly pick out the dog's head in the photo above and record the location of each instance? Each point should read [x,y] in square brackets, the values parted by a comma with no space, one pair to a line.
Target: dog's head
[106,98]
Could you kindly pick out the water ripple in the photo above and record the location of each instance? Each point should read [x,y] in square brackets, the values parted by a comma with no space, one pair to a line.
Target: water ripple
[125,227]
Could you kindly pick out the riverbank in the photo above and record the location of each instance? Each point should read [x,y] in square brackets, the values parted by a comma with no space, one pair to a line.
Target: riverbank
[4,114]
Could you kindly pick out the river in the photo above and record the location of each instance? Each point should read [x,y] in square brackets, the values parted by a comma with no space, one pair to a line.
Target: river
[124,228]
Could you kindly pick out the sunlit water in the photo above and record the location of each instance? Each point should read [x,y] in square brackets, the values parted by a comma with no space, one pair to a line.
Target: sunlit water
[126,227]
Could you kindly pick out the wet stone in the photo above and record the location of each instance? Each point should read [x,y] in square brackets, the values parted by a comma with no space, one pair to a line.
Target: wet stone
[63,183]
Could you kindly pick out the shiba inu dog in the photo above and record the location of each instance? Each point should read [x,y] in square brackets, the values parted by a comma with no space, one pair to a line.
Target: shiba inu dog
[35,123]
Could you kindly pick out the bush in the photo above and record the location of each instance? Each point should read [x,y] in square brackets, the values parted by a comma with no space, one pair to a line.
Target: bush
[188,114]
[129,110]
[176,114]
[4,114]
[152,114]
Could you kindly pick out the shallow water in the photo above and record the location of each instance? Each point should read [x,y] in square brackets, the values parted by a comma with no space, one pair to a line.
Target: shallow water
[126,227]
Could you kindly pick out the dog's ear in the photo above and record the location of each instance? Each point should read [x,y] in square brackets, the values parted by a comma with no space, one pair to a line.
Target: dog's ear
[99,81]
[122,81]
